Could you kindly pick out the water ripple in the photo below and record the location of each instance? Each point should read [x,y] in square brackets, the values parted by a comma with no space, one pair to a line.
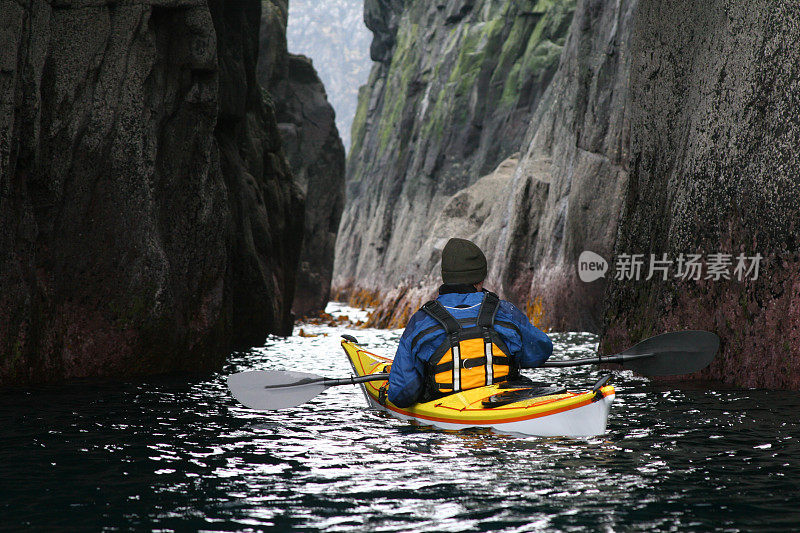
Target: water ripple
[178,453]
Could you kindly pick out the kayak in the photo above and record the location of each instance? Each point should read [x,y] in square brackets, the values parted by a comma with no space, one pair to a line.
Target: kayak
[505,408]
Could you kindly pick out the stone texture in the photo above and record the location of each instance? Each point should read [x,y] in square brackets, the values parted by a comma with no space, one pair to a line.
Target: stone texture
[715,89]
[316,155]
[669,128]
[467,215]
[564,195]
[450,97]
[148,219]
[567,191]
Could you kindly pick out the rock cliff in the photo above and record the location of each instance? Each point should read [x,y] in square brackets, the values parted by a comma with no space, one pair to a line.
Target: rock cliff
[562,196]
[715,89]
[148,218]
[669,128]
[567,191]
[449,98]
[332,33]
[307,124]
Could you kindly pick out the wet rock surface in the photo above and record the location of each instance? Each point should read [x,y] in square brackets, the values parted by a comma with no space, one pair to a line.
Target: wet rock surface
[562,197]
[567,191]
[715,89]
[148,218]
[667,129]
[469,214]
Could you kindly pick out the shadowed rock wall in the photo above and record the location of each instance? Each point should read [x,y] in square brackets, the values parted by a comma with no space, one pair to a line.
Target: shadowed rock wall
[715,89]
[311,140]
[148,219]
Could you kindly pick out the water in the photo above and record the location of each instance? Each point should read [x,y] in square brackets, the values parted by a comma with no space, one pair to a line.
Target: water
[178,453]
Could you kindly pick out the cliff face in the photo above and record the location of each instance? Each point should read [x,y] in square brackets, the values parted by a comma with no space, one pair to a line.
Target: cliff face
[333,34]
[148,219]
[669,128]
[307,124]
[715,88]
[449,98]
[562,196]
[469,214]
[567,191]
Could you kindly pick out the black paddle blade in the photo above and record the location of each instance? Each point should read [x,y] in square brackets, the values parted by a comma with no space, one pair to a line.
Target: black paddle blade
[676,353]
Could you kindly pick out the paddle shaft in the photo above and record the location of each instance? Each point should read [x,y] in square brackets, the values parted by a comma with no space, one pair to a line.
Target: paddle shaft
[383,376]
[352,380]
[332,382]
[597,360]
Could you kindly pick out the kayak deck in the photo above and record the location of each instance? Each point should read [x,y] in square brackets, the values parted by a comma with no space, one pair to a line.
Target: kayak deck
[563,414]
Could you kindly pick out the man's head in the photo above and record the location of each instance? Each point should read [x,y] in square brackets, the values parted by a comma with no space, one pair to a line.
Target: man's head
[463,262]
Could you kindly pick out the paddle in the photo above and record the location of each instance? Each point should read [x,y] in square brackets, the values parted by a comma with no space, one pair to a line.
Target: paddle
[669,354]
[277,389]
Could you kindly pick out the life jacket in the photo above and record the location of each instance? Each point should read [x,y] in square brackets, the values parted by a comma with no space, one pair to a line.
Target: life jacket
[469,357]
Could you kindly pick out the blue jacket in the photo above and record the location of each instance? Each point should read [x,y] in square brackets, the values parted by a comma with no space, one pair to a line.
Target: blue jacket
[528,344]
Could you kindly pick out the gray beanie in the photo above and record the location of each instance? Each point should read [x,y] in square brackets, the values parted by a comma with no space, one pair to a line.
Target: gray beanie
[463,262]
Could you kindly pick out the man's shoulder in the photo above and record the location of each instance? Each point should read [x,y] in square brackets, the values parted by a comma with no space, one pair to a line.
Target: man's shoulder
[511,311]
[419,320]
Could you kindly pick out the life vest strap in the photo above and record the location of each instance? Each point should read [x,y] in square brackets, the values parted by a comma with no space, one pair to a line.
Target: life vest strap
[488,310]
[472,361]
[440,314]
[487,349]
[455,349]
[486,314]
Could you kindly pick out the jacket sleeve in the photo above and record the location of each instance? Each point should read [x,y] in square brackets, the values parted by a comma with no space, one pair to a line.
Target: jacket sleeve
[536,345]
[406,375]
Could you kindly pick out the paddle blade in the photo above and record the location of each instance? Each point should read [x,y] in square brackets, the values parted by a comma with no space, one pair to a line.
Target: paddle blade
[676,353]
[266,390]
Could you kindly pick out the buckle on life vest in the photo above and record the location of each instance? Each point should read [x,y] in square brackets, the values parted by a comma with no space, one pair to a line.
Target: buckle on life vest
[466,364]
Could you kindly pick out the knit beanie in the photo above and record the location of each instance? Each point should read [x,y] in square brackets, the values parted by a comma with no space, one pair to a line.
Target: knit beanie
[462,262]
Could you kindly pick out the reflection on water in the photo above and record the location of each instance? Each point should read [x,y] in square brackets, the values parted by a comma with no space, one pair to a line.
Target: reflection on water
[173,453]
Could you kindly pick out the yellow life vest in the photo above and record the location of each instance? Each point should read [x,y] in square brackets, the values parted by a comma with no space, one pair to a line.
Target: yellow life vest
[470,357]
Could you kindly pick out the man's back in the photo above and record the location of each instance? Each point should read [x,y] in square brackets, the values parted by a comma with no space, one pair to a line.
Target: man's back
[424,334]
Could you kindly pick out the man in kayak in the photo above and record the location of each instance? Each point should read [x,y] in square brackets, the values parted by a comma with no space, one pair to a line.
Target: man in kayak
[466,338]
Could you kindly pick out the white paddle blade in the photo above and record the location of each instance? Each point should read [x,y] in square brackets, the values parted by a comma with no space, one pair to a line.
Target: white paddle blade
[267,390]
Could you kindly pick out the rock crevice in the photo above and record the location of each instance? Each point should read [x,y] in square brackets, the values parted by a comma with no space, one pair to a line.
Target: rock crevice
[307,126]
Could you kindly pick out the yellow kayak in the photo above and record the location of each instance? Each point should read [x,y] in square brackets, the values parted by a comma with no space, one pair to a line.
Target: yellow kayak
[560,414]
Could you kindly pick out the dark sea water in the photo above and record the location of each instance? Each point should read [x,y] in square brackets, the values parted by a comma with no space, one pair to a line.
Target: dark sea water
[180,454]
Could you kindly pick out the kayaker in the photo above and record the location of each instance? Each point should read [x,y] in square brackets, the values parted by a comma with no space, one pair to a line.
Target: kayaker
[466,338]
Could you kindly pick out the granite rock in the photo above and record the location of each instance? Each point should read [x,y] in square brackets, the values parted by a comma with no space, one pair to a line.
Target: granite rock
[148,217]
[715,88]
[449,98]
[567,191]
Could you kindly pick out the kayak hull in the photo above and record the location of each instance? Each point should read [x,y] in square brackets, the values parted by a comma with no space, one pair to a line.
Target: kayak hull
[567,414]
